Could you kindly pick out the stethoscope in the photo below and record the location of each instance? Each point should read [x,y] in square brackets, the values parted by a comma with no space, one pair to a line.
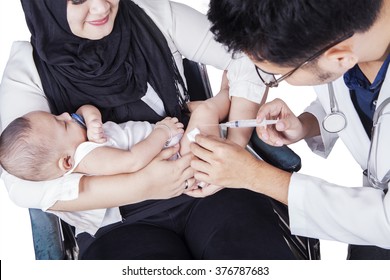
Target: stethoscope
[335,121]
[374,164]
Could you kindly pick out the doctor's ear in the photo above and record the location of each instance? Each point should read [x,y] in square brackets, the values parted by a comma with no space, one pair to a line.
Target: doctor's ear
[341,56]
[65,163]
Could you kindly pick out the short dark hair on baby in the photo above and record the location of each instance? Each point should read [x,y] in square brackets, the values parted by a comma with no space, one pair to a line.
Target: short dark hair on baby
[20,155]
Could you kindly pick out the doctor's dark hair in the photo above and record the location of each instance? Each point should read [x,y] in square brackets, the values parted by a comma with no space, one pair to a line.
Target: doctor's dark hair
[20,155]
[287,32]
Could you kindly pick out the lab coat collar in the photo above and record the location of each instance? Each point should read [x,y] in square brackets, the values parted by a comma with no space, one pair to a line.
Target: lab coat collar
[354,135]
[385,91]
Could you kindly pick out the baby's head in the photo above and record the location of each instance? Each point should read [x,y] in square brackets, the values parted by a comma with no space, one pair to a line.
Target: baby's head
[40,146]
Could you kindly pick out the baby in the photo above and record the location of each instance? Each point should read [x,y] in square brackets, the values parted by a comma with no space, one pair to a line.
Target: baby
[40,146]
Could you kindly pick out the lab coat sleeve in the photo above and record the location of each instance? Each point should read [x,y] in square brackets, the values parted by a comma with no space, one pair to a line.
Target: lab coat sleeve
[196,42]
[322,144]
[41,195]
[358,215]
[188,35]
[21,92]
[20,89]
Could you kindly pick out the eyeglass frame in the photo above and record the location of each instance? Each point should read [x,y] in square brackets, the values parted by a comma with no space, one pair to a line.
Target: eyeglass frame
[275,82]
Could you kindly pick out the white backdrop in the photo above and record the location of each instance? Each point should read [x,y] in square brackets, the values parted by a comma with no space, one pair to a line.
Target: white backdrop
[15,232]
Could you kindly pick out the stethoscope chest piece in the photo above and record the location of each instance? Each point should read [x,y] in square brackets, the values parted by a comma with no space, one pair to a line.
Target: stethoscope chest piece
[334,122]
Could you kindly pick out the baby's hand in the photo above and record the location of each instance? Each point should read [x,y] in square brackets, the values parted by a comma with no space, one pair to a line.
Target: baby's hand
[172,126]
[95,131]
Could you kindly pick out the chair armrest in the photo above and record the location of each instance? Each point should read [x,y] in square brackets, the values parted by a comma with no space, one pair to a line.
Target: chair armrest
[282,157]
[46,235]
[53,239]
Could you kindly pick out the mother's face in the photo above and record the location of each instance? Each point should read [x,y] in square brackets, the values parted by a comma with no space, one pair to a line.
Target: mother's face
[92,19]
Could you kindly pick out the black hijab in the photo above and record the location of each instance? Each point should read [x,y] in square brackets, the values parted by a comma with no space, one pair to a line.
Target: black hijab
[110,73]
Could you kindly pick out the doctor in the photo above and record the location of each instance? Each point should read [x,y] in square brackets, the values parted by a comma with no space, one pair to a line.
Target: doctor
[340,46]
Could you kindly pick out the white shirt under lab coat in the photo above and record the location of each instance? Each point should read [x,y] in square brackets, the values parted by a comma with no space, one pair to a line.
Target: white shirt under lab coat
[357,215]
[187,34]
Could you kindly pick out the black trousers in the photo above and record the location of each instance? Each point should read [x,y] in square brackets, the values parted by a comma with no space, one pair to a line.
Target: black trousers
[358,252]
[232,224]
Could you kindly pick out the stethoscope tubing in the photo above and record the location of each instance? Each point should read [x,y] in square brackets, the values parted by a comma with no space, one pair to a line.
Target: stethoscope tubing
[335,121]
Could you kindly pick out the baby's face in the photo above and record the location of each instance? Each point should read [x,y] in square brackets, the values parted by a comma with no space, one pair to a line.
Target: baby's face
[61,130]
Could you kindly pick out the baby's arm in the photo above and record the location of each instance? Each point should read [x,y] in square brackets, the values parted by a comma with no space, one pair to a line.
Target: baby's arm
[143,152]
[93,121]
[206,115]
[242,109]
[109,161]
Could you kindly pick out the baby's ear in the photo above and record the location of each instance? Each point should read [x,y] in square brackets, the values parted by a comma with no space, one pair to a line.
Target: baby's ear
[65,163]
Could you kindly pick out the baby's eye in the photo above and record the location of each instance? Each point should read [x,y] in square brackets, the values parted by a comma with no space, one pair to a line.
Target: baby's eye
[77,2]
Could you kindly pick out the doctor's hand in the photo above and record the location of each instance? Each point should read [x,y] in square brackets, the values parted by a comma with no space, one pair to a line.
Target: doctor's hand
[225,163]
[221,162]
[287,130]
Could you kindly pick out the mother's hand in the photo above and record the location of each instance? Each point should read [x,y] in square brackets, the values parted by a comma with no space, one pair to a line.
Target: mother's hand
[167,178]
[204,191]
[221,162]
[160,179]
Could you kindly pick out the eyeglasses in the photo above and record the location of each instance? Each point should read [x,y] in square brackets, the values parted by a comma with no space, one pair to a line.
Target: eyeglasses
[274,82]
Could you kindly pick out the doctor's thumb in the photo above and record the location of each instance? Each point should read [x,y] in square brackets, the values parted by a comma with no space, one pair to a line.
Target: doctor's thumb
[281,126]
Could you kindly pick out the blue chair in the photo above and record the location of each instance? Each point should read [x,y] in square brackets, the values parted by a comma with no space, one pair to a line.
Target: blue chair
[53,238]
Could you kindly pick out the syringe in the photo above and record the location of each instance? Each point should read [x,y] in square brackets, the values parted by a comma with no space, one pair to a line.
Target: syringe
[247,123]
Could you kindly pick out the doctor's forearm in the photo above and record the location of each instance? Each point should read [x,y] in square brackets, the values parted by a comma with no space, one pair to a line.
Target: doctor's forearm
[310,125]
[266,179]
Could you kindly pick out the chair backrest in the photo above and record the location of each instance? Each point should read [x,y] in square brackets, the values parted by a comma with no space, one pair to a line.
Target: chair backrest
[198,83]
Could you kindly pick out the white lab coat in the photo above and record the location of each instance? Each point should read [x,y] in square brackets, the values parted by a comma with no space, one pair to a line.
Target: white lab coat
[317,208]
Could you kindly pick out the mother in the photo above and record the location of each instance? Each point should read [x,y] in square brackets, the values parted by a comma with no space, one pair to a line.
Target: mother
[125,58]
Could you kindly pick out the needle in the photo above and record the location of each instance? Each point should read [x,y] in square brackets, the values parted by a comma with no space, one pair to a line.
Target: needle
[248,123]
